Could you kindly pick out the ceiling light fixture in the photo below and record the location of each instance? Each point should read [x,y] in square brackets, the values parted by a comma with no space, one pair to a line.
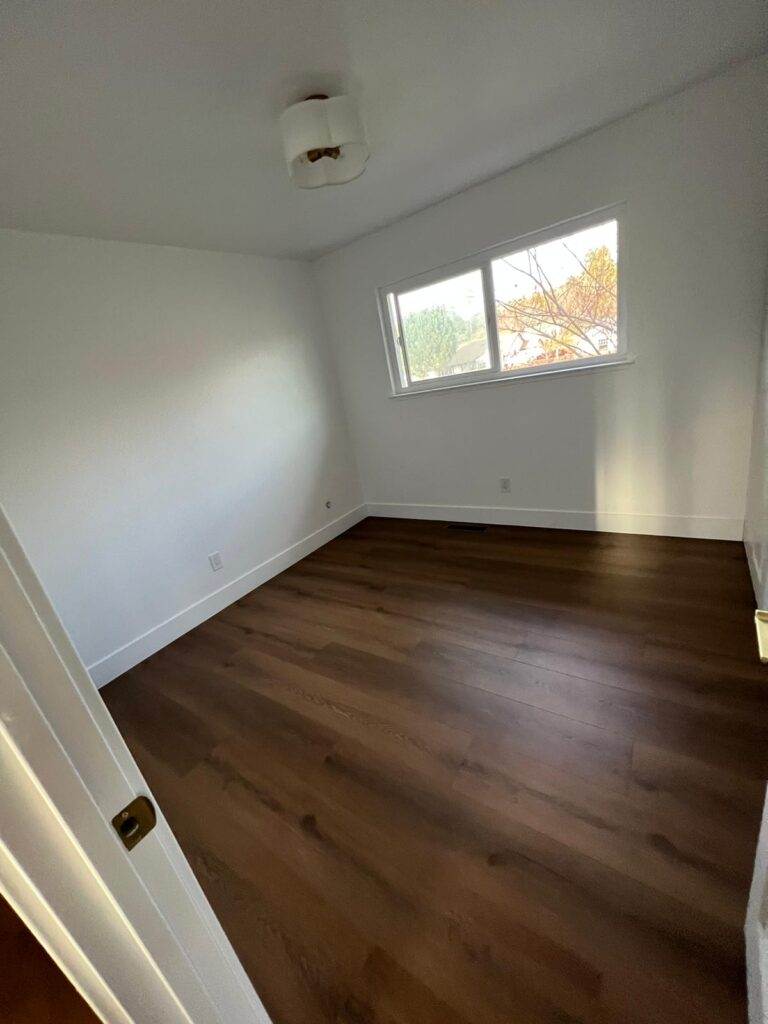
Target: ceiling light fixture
[324,141]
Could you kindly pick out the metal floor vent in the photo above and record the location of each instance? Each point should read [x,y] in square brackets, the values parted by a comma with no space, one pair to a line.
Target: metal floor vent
[468,527]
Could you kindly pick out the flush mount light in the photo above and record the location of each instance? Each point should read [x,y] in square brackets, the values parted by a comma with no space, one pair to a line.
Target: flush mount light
[324,141]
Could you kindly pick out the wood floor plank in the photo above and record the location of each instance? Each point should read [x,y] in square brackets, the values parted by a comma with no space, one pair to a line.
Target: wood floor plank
[472,778]
[736,742]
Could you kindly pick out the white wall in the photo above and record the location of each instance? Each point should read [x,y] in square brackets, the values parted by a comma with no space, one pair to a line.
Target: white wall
[660,446]
[156,405]
[756,518]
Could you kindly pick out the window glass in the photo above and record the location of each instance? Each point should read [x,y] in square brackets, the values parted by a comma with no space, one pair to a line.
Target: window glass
[558,301]
[443,327]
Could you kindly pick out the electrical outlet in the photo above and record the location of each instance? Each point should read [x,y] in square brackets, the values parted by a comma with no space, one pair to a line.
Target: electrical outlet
[329,504]
[505,485]
[215,560]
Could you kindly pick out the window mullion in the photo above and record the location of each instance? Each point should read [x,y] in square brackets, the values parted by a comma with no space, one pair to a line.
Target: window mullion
[400,341]
[490,318]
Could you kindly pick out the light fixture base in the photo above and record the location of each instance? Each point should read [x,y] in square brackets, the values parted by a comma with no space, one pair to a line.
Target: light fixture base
[324,141]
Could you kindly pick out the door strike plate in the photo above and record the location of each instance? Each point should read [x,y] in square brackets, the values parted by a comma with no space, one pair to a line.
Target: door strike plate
[134,821]
[761,625]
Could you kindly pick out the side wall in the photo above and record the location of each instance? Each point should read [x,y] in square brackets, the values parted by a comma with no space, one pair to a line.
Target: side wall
[157,405]
[756,519]
[660,446]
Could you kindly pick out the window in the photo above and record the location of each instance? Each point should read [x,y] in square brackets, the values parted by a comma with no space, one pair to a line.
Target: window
[550,301]
[443,327]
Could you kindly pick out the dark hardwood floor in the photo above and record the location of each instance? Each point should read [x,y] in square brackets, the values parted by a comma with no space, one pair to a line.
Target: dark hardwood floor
[33,990]
[429,776]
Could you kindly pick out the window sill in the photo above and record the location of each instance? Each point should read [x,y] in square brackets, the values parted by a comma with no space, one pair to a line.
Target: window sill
[514,378]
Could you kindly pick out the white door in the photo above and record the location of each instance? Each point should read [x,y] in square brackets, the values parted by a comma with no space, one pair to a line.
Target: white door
[756,543]
[756,931]
[132,930]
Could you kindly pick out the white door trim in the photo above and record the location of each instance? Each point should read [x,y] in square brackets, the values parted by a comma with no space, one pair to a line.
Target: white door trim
[134,932]
[756,930]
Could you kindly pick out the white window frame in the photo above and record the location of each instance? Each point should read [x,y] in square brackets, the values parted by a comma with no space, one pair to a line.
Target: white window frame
[396,353]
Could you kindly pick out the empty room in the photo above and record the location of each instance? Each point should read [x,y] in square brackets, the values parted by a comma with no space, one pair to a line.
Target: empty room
[383,512]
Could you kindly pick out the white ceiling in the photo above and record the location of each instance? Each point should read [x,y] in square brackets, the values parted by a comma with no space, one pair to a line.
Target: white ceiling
[156,120]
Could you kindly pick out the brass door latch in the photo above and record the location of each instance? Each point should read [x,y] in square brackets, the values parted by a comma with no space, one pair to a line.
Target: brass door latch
[761,625]
[136,820]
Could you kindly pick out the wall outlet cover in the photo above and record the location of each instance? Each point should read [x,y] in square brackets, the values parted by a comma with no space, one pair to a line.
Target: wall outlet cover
[215,560]
[505,485]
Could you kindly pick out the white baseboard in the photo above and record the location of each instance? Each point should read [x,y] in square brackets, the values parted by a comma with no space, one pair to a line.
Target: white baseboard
[705,527]
[136,650]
